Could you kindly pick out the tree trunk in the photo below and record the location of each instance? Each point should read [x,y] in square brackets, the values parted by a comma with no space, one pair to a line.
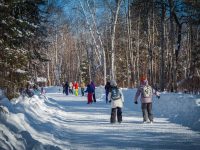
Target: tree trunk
[173,67]
[162,61]
[113,75]
[101,44]
[138,50]
[129,47]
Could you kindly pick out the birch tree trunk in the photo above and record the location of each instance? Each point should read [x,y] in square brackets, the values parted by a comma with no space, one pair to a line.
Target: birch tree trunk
[113,74]
[138,50]
[101,45]
[162,61]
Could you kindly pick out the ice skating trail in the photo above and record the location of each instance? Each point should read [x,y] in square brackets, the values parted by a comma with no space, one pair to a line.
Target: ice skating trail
[76,125]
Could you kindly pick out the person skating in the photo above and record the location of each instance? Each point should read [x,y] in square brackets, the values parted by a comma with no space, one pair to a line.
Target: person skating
[42,91]
[107,89]
[82,88]
[90,91]
[117,99]
[146,92]
[63,85]
[73,85]
[70,88]
[93,87]
[76,88]
[66,88]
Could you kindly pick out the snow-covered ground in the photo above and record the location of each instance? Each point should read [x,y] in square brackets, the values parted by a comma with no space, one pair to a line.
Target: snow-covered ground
[56,121]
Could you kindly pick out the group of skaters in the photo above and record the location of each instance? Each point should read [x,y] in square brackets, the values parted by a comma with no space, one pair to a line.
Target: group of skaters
[72,88]
[115,97]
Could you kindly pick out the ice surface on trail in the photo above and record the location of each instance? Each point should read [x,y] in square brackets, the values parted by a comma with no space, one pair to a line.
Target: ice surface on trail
[57,121]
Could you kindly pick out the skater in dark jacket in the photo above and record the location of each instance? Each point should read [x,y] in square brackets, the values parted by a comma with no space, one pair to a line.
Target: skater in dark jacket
[107,89]
[63,85]
[66,88]
[90,91]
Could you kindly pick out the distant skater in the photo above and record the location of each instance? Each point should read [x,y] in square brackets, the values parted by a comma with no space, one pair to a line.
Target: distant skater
[66,88]
[90,91]
[63,85]
[107,89]
[70,88]
[82,88]
[76,88]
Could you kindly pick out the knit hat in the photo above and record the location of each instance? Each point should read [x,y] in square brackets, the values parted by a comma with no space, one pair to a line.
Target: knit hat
[113,83]
[143,78]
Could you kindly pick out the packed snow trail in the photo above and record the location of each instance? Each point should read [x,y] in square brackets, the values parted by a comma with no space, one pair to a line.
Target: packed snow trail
[86,127]
[59,122]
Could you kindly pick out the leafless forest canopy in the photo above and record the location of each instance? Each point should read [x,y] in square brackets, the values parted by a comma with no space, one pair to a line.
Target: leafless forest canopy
[100,40]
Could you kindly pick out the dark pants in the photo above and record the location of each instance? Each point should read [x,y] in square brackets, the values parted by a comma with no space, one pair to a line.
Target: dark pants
[146,110]
[94,98]
[107,92]
[66,91]
[117,110]
[70,91]
[82,91]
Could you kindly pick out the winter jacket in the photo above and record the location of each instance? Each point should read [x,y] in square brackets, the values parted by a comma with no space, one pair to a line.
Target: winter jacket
[107,87]
[70,85]
[116,103]
[82,85]
[140,91]
[89,89]
[93,86]
[66,85]
[76,85]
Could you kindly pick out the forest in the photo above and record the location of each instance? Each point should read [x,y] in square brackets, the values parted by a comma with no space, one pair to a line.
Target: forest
[100,40]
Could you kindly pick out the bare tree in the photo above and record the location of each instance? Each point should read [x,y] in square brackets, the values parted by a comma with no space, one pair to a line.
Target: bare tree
[113,74]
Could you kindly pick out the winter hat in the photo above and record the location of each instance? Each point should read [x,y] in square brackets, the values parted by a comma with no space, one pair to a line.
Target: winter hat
[113,83]
[143,78]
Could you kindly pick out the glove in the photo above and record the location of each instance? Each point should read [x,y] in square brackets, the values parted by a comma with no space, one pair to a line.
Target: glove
[158,97]
[136,102]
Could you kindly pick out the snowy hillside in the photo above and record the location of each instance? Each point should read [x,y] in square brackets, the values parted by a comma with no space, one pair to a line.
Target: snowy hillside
[56,121]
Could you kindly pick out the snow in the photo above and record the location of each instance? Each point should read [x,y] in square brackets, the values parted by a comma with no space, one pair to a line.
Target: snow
[55,121]
[29,33]
[41,79]
[198,102]
[31,24]
[21,71]
[19,33]
[4,22]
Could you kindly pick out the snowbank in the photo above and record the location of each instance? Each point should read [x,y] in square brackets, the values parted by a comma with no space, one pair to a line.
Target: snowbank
[19,120]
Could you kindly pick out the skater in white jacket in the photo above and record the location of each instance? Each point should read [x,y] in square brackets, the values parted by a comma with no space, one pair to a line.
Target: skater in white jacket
[116,98]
